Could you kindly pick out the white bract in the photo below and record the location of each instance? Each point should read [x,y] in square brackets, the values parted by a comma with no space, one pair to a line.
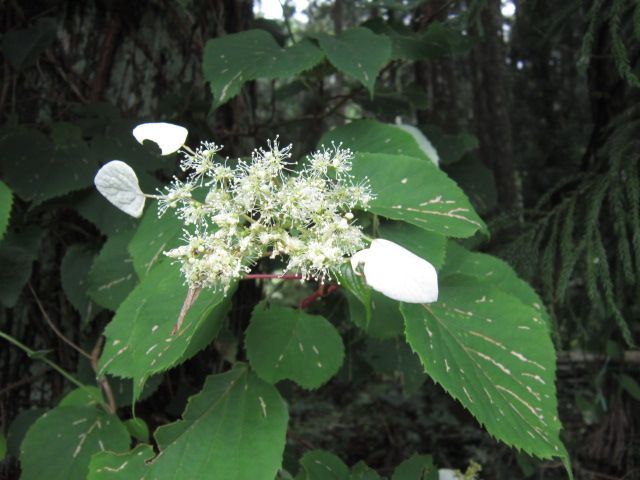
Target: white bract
[168,136]
[397,273]
[118,183]
[423,142]
[447,474]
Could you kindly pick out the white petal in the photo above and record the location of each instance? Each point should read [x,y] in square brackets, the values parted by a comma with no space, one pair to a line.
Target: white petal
[118,183]
[423,142]
[397,273]
[447,474]
[168,136]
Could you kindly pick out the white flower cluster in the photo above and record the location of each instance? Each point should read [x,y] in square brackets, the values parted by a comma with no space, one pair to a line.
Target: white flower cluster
[237,212]
[234,215]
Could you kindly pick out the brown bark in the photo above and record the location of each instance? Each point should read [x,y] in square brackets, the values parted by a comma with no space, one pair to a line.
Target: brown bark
[491,106]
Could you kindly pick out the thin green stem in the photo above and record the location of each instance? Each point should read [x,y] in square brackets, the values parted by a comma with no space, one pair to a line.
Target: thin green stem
[56,367]
[188,149]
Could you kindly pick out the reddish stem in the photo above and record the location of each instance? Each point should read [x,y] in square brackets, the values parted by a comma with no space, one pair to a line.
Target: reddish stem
[323,291]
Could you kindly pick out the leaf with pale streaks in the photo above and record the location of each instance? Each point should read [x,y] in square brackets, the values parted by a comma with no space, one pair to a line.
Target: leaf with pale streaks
[139,342]
[494,355]
[375,137]
[234,428]
[493,271]
[118,466]
[322,465]
[417,192]
[289,343]
[231,60]
[154,236]
[112,277]
[59,445]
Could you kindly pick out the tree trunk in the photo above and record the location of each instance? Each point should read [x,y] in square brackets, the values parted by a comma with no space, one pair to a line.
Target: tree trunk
[491,106]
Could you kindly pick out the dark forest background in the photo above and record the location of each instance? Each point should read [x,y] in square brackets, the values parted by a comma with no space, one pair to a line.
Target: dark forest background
[536,115]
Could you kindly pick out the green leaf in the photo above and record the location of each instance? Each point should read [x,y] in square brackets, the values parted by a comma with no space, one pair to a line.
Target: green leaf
[385,321]
[494,271]
[395,357]
[356,288]
[417,192]
[477,181]
[428,245]
[374,137]
[119,466]
[138,429]
[417,467]
[154,236]
[19,427]
[112,276]
[437,40]
[630,385]
[109,220]
[22,47]
[322,465]
[304,348]
[361,471]
[139,342]
[88,396]
[231,60]
[123,389]
[36,170]
[357,52]
[59,445]
[6,200]
[451,148]
[234,428]
[3,447]
[494,355]
[15,270]
[74,271]
[17,253]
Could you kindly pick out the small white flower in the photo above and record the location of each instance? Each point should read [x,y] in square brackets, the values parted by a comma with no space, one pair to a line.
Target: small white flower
[168,136]
[397,273]
[118,183]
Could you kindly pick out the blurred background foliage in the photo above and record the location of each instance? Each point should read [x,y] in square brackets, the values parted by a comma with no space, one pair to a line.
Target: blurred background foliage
[531,104]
